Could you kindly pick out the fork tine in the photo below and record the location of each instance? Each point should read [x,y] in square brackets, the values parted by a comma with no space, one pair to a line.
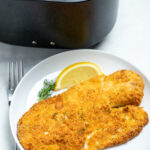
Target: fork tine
[9,76]
[21,70]
[11,80]
[13,75]
[16,74]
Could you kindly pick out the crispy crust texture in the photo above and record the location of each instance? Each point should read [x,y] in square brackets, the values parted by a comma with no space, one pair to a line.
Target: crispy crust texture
[85,117]
[118,127]
[124,88]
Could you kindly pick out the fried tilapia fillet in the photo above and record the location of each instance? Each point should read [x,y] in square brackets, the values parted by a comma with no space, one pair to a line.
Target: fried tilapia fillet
[88,116]
[116,127]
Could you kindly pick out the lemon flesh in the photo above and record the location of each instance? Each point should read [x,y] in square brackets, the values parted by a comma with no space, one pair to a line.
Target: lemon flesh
[76,73]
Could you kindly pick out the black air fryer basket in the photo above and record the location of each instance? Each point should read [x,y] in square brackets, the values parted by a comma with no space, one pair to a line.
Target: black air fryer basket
[57,23]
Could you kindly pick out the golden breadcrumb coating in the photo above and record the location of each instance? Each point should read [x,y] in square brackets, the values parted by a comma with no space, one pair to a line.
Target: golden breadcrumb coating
[116,127]
[84,116]
[124,88]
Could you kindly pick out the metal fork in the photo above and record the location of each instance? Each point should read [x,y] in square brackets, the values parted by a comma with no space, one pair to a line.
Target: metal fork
[16,72]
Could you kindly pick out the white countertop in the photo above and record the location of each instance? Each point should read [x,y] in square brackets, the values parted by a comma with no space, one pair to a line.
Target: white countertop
[129,39]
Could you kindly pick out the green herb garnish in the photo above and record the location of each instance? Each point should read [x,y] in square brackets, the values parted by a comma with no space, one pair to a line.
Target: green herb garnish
[46,91]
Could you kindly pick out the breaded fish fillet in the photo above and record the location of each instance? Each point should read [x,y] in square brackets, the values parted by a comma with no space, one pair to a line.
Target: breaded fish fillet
[116,127]
[123,88]
[118,89]
[66,121]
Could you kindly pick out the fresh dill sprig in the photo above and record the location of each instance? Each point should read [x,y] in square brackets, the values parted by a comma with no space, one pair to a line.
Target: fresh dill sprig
[46,91]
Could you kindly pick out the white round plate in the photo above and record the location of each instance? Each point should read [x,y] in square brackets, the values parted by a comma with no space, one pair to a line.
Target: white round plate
[26,92]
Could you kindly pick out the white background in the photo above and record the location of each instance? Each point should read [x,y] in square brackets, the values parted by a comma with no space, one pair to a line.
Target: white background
[129,39]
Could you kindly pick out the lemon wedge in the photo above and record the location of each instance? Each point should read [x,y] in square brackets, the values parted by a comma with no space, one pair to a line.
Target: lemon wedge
[76,73]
